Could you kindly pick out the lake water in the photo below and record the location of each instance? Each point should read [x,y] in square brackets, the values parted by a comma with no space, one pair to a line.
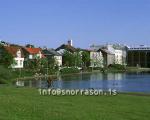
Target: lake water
[122,82]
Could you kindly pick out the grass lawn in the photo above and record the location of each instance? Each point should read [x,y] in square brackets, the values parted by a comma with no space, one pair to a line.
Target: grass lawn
[27,104]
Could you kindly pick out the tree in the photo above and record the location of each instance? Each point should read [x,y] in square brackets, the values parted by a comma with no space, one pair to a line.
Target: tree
[6,59]
[86,58]
[78,58]
[68,58]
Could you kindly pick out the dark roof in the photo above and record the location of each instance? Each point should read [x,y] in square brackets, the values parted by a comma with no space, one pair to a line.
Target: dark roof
[50,52]
[67,47]
[106,51]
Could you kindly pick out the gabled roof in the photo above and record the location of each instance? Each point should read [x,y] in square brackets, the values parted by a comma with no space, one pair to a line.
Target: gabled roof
[13,50]
[50,52]
[33,50]
[67,47]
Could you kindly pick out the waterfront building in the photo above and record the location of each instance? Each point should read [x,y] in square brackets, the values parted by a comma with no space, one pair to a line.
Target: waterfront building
[51,53]
[116,53]
[18,55]
[138,56]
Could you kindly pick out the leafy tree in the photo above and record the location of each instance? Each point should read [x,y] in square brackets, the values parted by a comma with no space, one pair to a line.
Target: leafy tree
[86,58]
[6,59]
[68,58]
[51,62]
[78,58]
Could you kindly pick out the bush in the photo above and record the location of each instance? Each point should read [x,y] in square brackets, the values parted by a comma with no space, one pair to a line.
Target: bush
[5,75]
[117,67]
[22,73]
[69,70]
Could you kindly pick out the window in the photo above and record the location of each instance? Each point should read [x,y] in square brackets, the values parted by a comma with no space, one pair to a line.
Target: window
[16,62]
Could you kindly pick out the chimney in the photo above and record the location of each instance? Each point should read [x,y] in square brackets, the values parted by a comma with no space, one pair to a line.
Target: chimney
[70,42]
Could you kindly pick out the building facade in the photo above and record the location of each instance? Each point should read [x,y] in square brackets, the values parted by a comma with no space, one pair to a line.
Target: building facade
[51,53]
[96,59]
[18,55]
[116,53]
[138,56]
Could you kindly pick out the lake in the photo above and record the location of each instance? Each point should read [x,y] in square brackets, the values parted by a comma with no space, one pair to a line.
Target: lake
[122,82]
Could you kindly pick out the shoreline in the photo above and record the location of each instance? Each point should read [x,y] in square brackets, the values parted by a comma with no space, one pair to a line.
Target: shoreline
[53,77]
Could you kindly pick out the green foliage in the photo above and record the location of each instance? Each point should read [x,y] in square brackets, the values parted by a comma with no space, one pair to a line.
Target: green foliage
[42,65]
[72,59]
[68,58]
[6,59]
[77,58]
[86,58]
[117,67]
[22,73]
[69,70]
[30,64]
[51,62]
[5,75]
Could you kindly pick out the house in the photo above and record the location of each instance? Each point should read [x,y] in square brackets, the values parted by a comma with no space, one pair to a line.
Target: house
[69,47]
[66,47]
[119,52]
[33,53]
[51,53]
[108,57]
[18,55]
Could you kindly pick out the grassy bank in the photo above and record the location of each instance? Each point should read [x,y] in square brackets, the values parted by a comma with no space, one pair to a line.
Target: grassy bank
[27,104]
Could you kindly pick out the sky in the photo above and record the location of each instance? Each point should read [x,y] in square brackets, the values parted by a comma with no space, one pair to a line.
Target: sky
[52,22]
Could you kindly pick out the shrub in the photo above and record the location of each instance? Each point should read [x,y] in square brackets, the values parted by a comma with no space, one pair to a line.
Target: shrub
[23,72]
[69,70]
[5,75]
[117,66]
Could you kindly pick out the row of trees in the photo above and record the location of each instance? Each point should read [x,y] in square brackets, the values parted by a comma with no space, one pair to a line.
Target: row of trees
[44,65]
[77,59]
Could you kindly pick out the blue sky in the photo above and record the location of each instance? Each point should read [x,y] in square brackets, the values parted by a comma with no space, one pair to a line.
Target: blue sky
[52,22]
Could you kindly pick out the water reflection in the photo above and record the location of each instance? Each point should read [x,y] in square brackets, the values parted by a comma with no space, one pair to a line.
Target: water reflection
[129,82]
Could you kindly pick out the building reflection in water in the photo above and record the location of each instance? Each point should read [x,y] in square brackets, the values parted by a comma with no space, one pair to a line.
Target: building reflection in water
[107,81]
[82,81]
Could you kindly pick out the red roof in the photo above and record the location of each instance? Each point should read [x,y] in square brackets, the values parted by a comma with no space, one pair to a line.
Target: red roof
[33,50]
[13,50]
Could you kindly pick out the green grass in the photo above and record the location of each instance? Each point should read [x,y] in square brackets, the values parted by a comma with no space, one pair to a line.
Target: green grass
[27,104]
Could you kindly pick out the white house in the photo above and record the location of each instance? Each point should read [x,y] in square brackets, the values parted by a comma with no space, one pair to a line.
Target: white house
[18,55]
[34,53]
[119,52]
[51,53]
[118,57]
